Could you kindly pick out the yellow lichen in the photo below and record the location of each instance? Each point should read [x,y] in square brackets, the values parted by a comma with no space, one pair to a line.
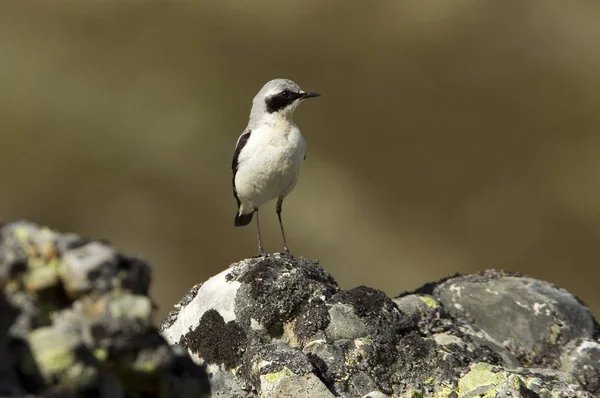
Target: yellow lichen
[481,375]
[144,367]
[444,393]
[274,377]
[554,334]
[22,234]
[100,354]
[429,301]
[56,360]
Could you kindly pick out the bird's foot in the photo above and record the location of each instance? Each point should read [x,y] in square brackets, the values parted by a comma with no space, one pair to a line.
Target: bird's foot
[286,252]
[261,253]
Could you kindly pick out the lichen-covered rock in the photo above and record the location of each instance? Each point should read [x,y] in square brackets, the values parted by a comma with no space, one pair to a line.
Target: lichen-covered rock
[580,359]
[538,318]
[76,321]
[277,326]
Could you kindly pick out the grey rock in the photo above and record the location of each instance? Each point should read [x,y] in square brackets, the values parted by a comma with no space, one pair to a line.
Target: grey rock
[93,265]
[359,383]
[376,394]
[62,358]
[224,385]
[217,294]
[344,324]
[539,318]
[278,326]
[416,305]
[76,321]
[580,359]
[328,358]
[306,386]
[444,339]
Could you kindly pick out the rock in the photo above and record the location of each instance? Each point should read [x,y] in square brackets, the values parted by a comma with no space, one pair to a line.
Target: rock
[277,326]
[77,322]
[375,394]
[92,265]
[416,305]
[62,358]
[580,359]
[539,317]
[286,384]
[344,324]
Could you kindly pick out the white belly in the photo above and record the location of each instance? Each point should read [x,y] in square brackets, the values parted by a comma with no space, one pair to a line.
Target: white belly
[269,166]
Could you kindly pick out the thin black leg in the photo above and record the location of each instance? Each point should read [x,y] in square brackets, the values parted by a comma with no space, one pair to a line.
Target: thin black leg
[278,209]
[261,251]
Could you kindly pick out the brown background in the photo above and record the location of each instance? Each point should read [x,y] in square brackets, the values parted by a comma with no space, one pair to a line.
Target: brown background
[451,136]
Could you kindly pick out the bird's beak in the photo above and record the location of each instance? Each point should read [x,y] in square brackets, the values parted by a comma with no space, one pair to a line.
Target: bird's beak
[310,95]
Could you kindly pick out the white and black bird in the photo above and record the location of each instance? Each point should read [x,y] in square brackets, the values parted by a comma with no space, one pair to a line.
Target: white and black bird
[269,153]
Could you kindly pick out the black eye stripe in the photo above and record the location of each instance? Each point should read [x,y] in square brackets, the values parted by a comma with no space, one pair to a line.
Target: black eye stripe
[281,100]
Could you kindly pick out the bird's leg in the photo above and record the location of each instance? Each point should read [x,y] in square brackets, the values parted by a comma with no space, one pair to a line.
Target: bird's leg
[278,210]
[261,251]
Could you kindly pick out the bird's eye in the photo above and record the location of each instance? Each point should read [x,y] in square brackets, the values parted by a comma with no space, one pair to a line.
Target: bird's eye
[286,94]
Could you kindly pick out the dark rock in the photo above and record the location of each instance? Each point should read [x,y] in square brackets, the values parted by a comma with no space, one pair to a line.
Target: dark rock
[312,320]
[277,326]
[228,348]
[274,291]
[76,321]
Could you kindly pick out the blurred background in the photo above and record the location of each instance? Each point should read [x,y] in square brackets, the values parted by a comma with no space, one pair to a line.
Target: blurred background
[451,136]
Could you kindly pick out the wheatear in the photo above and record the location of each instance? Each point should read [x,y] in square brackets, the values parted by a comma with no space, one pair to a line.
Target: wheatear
[269,153]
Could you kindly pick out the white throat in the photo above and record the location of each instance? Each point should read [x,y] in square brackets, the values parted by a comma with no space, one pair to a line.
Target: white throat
[282,120]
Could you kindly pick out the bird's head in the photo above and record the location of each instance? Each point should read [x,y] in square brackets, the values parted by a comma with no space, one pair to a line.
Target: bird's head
[278,98]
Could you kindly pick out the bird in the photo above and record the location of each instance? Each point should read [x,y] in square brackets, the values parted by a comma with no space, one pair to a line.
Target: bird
[269,153]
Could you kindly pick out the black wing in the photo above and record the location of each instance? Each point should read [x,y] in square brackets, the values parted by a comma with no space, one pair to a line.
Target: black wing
[241,143]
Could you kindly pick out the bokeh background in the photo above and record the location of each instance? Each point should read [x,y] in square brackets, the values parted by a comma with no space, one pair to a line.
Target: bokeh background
[451,136]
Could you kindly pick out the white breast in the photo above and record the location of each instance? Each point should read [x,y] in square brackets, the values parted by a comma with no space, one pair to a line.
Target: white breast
[269,164]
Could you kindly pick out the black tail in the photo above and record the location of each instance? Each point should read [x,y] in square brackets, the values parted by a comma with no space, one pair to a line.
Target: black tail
[243,219]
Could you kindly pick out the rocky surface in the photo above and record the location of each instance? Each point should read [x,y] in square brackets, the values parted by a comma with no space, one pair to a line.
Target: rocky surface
[281,327]
[76,321]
